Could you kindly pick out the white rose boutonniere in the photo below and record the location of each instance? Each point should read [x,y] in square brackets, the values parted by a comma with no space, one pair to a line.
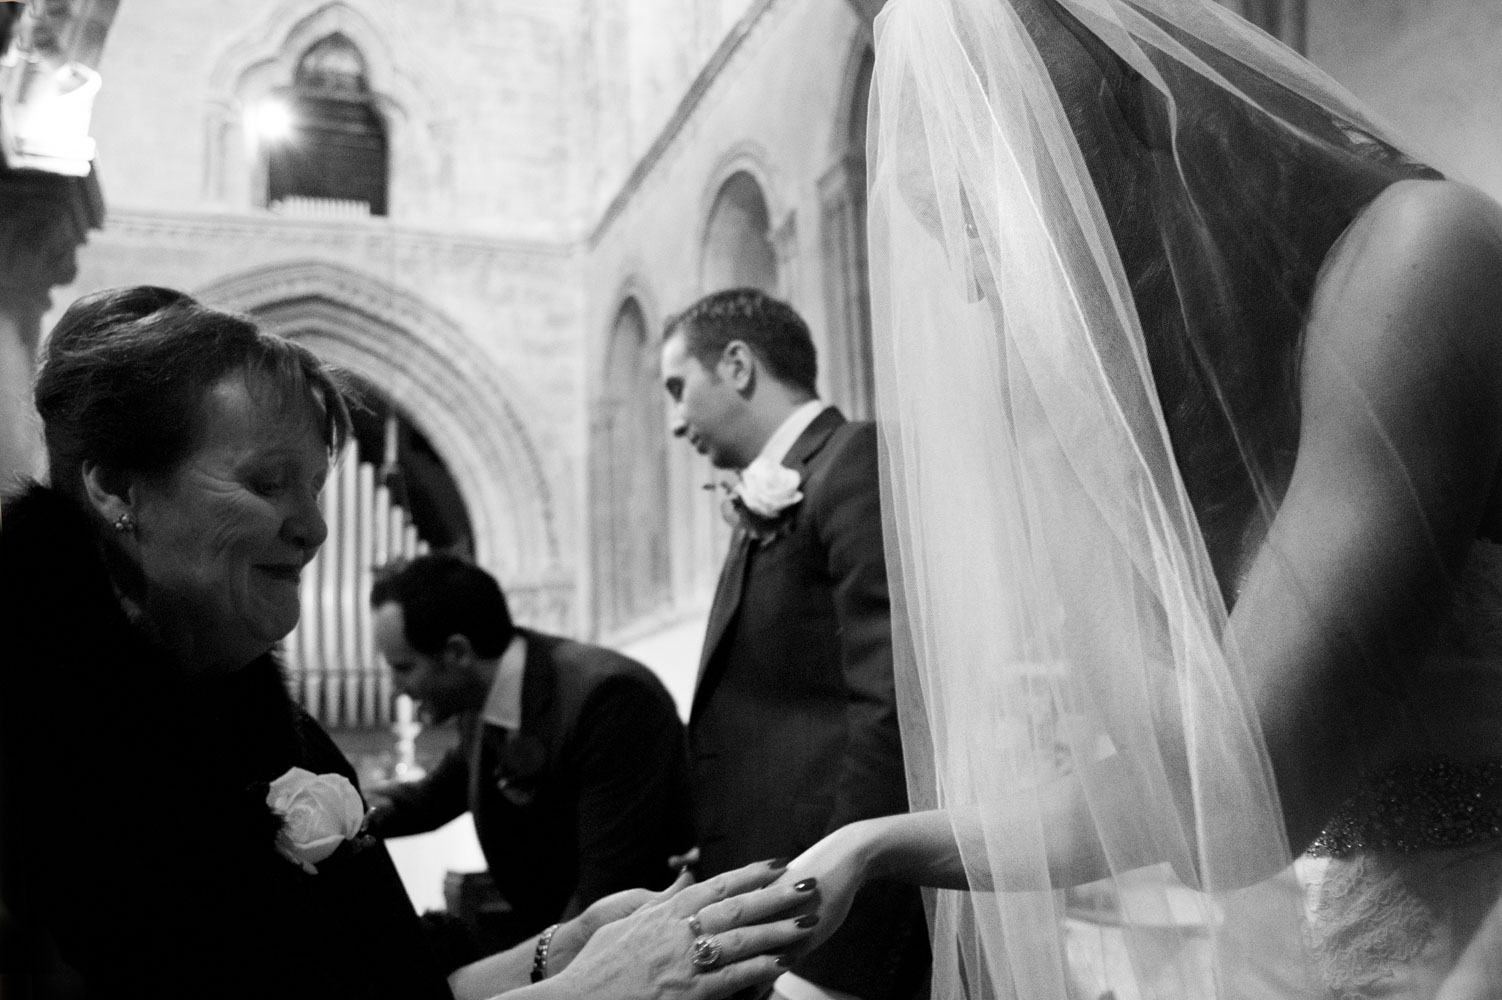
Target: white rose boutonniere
[762,501]
[768,488]
[319,812]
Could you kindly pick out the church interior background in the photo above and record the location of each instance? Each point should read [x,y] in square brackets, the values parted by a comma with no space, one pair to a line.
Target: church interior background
[484,210]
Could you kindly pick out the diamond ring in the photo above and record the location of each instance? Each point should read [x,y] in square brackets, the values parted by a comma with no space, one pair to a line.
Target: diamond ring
[706,952]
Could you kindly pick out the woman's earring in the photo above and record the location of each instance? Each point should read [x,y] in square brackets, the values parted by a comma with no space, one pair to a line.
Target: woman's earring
[125,522]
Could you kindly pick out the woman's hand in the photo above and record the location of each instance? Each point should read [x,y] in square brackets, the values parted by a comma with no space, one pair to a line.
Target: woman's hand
[694,941]
[508,971]
[573,935]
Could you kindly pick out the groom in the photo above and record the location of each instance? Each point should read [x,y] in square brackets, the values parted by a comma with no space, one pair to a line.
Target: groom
[793,729]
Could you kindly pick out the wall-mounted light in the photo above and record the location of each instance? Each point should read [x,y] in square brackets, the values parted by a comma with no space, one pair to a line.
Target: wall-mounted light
[44,115]
[270,121]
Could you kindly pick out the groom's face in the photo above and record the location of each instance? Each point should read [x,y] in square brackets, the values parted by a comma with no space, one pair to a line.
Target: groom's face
[704,408]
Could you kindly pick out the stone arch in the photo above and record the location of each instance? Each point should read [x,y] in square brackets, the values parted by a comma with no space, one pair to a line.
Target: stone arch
[633,287]
[736,243]
[448,386]
[749,157]
[263,59]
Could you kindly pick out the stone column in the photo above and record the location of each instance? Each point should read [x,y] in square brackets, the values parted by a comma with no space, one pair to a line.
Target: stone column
[43,220]
[842,204]
[867,10]
[784,240]
[1286,20]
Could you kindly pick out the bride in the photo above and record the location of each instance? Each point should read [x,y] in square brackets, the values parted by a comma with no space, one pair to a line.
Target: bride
[1192,410]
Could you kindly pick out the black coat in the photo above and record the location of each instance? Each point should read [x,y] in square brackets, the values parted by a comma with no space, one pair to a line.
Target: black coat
[794,729]
[137,852]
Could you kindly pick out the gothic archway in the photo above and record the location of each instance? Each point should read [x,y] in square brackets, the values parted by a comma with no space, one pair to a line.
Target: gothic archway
[264,58]
[427,366]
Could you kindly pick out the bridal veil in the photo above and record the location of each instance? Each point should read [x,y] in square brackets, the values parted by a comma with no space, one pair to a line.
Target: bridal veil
[1060,590]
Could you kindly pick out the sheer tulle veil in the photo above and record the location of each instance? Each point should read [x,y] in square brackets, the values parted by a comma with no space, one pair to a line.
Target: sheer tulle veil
[1061,555]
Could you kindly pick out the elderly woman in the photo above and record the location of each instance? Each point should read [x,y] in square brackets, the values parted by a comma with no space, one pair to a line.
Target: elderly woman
[173,825]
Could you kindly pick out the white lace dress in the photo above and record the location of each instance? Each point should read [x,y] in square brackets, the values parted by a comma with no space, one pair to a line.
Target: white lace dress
[1399,882]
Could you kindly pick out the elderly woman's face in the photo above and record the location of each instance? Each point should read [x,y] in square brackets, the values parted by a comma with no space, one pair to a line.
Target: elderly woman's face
[223,538]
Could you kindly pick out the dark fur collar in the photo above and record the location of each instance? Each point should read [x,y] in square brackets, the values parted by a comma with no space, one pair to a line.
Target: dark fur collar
[135,834]
[72,649]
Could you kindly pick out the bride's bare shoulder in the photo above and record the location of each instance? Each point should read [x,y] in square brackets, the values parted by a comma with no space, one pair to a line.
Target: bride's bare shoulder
[1423,260]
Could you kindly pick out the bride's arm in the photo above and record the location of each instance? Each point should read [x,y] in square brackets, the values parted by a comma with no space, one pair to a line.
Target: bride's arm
[1401,436]
[947,848]
[1400,440]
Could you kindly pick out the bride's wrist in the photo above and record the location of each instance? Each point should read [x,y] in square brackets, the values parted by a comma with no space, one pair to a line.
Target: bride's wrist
[871,846]
[916,848]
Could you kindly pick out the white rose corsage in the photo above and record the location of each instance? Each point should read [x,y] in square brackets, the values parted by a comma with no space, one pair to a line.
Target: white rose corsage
[761,501]
[319,812]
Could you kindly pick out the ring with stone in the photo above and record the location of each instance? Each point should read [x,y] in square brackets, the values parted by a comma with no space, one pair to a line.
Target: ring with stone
[694,927]
[706,952]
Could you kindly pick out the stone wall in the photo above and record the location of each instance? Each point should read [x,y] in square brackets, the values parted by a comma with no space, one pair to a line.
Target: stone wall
[1429,67]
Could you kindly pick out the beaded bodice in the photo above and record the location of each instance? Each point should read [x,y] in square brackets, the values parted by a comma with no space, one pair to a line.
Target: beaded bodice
[1411,807]
[1450,793]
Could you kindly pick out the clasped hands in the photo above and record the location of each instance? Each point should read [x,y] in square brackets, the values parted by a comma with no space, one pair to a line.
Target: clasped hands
[693,940]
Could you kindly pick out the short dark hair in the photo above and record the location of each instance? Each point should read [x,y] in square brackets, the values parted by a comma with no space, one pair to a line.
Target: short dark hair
[770,327]
[125,373]
[442,595]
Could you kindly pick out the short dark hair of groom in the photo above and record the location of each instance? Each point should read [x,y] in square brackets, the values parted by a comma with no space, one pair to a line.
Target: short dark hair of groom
[442,595]
[770,327]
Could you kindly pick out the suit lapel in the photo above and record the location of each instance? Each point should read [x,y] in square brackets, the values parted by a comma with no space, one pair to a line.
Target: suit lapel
[474,736]
[732,585]
[538,683]
[811,440]
[727,597]
[537,695]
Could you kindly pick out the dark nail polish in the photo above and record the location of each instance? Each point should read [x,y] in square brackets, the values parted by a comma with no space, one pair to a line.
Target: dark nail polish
[784,961]
[778,864]
[807,920]
[807,885]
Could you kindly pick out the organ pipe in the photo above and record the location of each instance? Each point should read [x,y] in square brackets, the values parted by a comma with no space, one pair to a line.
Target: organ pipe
[332,663]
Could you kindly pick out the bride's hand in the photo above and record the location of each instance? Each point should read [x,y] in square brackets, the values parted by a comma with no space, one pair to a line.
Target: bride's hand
[695,942]
[834,869]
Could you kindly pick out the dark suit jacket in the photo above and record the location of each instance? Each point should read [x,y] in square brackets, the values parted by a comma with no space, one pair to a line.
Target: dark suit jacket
[793,731]
[595,787]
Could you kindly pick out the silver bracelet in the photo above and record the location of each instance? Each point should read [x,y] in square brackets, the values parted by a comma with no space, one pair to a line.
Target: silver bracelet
[540,956]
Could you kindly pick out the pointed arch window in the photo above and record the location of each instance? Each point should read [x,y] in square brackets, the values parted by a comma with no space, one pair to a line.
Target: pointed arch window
[633,574]
[737,250]
[337,151]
